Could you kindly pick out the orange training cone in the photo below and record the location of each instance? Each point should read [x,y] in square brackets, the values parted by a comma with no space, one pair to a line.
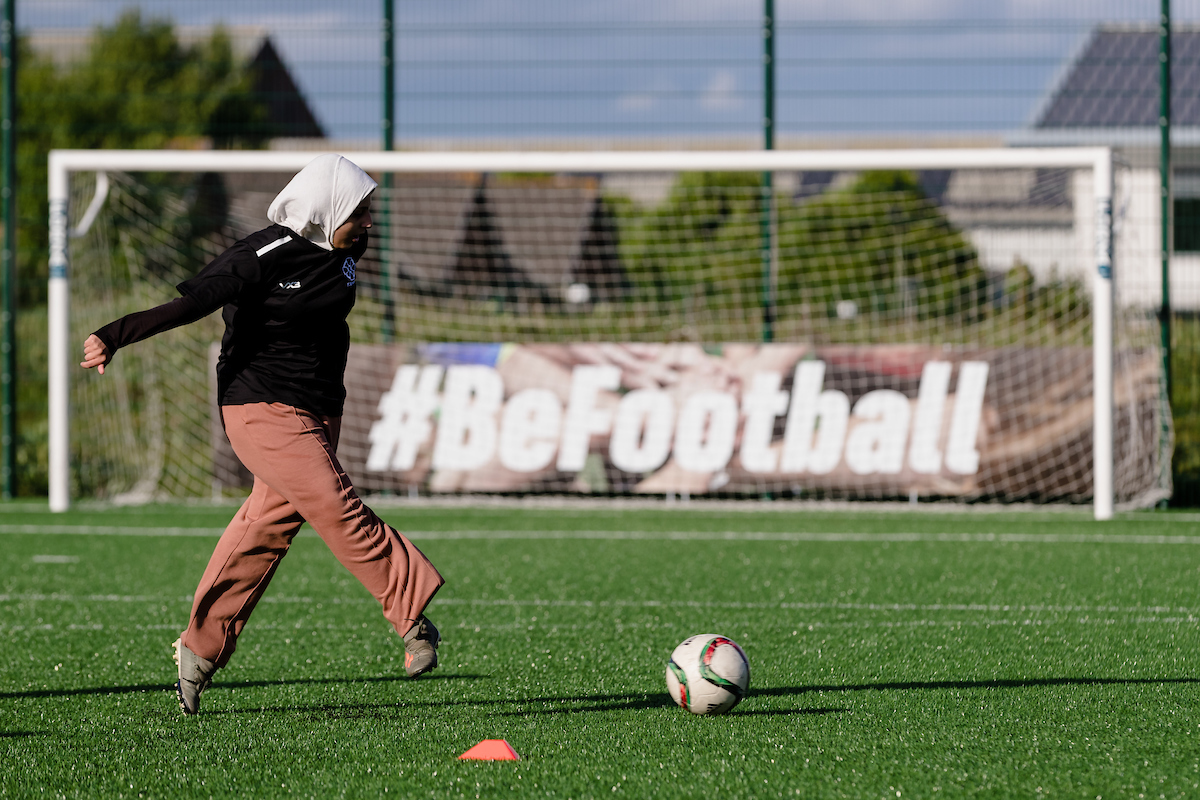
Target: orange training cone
[491,750]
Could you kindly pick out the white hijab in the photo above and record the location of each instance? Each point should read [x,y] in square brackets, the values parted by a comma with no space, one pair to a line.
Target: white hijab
[320,198]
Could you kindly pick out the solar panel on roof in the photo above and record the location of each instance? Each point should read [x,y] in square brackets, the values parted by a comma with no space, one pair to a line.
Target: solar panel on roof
[1114,83]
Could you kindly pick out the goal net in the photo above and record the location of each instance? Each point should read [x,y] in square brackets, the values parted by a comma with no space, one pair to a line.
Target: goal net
[858,325]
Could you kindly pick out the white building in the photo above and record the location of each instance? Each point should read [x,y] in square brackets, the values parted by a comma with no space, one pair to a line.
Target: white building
[1108,94]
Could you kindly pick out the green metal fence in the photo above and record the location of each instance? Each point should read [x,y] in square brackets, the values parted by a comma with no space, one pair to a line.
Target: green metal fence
[425,74]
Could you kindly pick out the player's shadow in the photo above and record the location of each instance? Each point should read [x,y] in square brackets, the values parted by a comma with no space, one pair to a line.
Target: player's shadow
[628,702]
[615,702]
[575,704]
[170,687]
[581,703]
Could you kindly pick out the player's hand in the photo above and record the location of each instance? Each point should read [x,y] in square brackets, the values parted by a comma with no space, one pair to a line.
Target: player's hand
[95,354]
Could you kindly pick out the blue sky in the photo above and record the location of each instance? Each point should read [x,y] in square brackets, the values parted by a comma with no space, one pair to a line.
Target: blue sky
[683,71]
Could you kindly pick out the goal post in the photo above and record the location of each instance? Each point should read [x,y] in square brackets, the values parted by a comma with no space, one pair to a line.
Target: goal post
[1094,162]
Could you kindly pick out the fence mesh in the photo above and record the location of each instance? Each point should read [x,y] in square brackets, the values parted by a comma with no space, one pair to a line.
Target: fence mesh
[547,75]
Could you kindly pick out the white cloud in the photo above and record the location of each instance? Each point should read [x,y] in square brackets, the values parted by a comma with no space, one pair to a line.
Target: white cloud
[866,10]
[636,101]
[646,98]
[721,92]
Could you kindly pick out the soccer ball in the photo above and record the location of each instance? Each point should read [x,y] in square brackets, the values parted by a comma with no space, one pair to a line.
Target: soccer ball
[708,674]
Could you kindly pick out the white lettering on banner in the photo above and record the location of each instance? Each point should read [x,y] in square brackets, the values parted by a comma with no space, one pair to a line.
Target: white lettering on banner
[876,444]
[809,406]
[923,453]
[403,424]
[833,411]
[641,436]
[762,404]
[961,453]
[583,418]
[532,427]
[466,436]
[529,429]
[706,432]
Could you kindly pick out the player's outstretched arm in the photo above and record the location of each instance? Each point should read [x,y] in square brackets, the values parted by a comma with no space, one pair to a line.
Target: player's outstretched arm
[95,354]
[143,324]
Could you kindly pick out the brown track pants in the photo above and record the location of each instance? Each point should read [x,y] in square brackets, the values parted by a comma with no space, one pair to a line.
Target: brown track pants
[297,478]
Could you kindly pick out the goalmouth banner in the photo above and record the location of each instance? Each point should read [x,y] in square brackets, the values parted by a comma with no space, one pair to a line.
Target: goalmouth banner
[853,421]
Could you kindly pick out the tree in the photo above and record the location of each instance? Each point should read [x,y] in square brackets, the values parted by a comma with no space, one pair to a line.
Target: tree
[702,240]
[137,87]
[879,243]
[882,245]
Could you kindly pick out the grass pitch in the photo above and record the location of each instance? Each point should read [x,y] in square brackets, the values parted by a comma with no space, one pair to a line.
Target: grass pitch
[892,655]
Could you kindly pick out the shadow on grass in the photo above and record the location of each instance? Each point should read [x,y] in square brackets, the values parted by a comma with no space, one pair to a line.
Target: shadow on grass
[570,705]
[1014,683]
[626,702]
[21,734]
[741,711]
[574,704]
[327,712]
[615,702]
[170,687]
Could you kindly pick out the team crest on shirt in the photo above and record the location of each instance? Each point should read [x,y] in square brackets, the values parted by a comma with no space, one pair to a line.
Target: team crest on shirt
[348,271]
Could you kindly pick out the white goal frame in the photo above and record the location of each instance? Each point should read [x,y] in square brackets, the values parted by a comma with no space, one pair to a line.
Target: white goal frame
[64,162]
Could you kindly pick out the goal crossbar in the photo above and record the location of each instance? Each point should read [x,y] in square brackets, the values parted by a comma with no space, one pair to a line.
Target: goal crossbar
[62,163]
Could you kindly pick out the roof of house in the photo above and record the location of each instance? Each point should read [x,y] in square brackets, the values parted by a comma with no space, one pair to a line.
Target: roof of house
[1114,82]
[287,109]
[524,238]
[544,228]
[429,227]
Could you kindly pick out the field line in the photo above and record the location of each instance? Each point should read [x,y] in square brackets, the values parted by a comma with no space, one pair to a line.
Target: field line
[602,535]
[811,536]
[925,608]
[523,625]
[107,530]
[869,607]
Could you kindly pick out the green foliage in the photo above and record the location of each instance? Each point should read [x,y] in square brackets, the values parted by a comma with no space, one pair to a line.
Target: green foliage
[1052,306]
[879,253]
[883,181]
[1185,408]
[881,245]
[33,424]
[703,239]
[137,87]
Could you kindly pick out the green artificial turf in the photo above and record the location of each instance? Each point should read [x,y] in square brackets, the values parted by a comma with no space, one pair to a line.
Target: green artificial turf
[893,655]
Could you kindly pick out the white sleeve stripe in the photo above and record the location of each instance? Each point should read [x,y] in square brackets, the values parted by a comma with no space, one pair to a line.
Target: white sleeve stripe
[263,251]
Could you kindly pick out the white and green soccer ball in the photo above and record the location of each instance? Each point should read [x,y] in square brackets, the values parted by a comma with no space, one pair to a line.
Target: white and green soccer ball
[708,674]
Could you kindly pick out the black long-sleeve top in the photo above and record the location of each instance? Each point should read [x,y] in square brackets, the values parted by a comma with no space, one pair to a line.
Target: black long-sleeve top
[285,305]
